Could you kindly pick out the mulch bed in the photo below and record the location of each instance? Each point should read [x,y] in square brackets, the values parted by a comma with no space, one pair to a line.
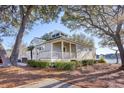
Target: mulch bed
[96,76]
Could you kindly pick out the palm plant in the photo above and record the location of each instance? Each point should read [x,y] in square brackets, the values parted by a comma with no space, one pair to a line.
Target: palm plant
[30,48]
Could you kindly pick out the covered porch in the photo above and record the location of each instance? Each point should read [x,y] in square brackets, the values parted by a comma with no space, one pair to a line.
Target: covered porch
[63,50]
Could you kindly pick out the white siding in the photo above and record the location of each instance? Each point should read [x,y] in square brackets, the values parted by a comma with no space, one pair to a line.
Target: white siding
[85,53]
[57,47]
[42,51]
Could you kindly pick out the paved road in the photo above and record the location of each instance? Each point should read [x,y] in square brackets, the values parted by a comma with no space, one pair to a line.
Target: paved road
[49,83]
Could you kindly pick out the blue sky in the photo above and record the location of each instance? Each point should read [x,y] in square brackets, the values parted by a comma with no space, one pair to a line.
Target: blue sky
[40,29]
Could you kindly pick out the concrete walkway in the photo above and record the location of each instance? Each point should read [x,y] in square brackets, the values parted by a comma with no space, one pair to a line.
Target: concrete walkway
[19,64]
[48,83]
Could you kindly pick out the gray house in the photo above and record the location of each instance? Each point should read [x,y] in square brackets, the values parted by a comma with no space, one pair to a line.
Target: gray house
[60,47]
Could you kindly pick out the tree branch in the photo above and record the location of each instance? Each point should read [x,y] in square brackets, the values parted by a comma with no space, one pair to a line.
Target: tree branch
[118,29]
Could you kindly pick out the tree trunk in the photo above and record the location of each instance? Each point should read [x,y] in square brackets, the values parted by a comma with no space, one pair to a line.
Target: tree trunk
[3,56]
[116,53]
[121,49]
[15,52]
[31,55]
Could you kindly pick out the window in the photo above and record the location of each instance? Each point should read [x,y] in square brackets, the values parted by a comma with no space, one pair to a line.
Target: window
[57,34]
[53,35]
[85,49]
[64,49]
[41,48]
[90,49]
[1,60]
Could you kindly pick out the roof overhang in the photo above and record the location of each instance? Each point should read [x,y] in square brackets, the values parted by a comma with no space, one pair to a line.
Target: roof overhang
[63,39]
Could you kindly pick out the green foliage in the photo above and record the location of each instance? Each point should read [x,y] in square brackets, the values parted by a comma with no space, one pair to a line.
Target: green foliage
[58,65]
[88,62]
[22,17]
[30,48]
[11,15]
[42,64]
[65,65]
[86,41]
[61,65]
[102,60]
[97,20]
[78,64]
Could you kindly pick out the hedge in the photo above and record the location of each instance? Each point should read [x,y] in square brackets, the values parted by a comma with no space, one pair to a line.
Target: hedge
[61,65]
[42,64]
[78,63]
[65,65]
[88,62]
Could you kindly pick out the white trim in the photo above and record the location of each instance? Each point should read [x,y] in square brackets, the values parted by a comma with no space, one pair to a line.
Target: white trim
[62,46]
[51,49]
[70,49]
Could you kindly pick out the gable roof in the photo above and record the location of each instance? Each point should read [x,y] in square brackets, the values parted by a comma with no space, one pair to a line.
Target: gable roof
[36,41]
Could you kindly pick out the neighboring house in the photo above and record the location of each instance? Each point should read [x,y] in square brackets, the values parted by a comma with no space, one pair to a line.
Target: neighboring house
[60,47]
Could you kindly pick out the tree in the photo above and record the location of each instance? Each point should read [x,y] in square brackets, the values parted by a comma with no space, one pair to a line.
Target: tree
[116,54]
[87,42]
[22,18]
[108,42]
[101,21]
[30,48]
[3,55]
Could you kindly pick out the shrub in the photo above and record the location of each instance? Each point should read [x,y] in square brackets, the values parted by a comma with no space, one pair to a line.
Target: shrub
[87,62]
[52,64]
[78,63]
[31,63]
[42,64]
[101,60]
[65,65]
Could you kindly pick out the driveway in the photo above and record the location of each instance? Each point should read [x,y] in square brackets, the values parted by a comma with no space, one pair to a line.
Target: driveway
[48,83]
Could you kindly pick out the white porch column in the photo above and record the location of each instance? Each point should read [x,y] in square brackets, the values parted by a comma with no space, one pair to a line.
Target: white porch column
[76,51]
[51,51]
[62,46]
[70,49]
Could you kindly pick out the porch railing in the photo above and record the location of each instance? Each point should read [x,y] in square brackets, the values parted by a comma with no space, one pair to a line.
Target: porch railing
[55,55]
[66,55]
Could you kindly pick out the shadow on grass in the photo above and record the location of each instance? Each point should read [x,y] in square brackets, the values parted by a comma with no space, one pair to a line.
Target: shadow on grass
[24,78]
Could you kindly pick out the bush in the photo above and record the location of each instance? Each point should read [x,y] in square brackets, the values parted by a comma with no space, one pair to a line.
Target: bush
[42,64]
[78,63]
[65,65]
[87,62]
[52,64]
[101,60]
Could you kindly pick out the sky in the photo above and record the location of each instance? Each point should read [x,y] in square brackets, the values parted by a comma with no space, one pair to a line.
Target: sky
[39,29]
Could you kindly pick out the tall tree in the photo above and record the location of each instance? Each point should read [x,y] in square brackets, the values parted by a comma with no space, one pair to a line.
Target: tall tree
[3,55]
[101,21]
[108,42]
[23,17]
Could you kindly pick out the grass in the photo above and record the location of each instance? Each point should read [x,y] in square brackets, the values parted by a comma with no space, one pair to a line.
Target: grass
[103,74]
